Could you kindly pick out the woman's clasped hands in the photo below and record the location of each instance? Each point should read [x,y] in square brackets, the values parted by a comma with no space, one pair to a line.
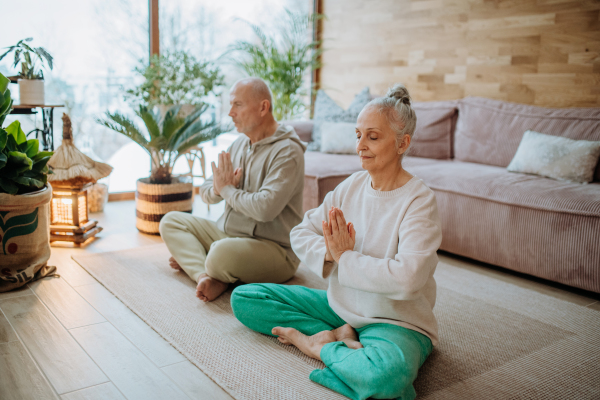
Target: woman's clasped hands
[339,235]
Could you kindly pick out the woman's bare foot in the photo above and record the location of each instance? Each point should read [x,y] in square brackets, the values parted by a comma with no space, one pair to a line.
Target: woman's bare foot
[348,335]
[173,264]
[209,288]
[309,345]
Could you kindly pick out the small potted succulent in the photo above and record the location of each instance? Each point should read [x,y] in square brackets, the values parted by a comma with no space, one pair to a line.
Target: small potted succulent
[31,77]
[166,138]
[24,203]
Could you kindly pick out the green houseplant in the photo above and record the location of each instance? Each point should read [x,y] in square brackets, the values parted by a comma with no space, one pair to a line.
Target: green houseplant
[175,78]
[31,77]
[282,60]
[166,138]
[24,199]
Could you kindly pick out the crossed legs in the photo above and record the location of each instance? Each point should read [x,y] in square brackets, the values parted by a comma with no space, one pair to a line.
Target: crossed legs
[383,365]
[214,259]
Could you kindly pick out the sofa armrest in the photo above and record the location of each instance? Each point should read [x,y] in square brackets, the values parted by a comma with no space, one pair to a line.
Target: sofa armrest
[303,128]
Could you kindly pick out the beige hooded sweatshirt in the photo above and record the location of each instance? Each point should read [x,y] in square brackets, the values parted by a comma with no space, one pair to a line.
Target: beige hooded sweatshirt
[268,202]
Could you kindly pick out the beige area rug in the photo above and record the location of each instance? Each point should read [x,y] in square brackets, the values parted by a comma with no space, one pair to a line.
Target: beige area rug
[498,340]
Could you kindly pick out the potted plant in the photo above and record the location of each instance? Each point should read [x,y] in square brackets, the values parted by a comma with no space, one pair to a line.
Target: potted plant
[31,77]
[166,138]
[24,199]
[175,78]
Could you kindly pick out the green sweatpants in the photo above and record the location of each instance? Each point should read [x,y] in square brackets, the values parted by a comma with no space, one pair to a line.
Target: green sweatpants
[384,369]
[200,247]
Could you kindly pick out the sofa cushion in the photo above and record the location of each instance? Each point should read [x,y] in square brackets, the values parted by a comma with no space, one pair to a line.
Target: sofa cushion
[498,185]
[490,131]
[435,129]
[327,110]
[303,128]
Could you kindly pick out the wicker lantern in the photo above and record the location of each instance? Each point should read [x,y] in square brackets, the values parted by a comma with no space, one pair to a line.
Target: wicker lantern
[73,174]
[69,215]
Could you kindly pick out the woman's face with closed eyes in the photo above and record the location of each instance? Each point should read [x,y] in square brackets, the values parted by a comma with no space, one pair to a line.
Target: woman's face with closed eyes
[376,141]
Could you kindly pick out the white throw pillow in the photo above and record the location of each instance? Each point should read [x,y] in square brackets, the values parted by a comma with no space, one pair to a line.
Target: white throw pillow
[556,157]
[326,110]
[338,137]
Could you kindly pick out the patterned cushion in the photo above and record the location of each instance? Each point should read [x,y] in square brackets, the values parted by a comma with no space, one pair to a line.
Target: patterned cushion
[327,110]
[556,157]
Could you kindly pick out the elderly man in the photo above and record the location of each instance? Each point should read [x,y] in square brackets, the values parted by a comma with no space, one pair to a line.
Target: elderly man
[261,179]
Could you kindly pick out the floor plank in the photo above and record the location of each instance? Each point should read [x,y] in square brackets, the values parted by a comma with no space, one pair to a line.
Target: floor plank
[7,333]
[130,325]
[65,303]
[194,383]
[68,269]
[19,377]
[106,391]
[65,364]
[595,306]
[22,291]
[131,372]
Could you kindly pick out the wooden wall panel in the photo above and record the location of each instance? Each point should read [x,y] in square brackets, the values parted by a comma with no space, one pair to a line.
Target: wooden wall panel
[544,52]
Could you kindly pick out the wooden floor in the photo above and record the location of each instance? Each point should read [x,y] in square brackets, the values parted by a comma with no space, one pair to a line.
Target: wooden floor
[70,338]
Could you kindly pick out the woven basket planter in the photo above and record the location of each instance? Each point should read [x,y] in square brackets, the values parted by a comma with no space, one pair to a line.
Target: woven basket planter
[153,201]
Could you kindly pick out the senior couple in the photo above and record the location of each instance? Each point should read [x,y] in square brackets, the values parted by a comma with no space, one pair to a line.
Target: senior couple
[374,239]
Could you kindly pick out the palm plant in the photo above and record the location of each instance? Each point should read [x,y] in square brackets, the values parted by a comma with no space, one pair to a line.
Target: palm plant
[167,137]
[282,60]
[26,55]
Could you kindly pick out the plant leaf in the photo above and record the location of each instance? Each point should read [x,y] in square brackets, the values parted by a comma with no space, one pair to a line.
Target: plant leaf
[18,161]
[8,186]
[40,164]
[3,138]
[3,160]
[25,181]
[42,154]
[17,133]
[33,146]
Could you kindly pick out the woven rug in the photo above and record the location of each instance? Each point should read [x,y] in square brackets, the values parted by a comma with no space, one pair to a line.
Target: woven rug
[497,340]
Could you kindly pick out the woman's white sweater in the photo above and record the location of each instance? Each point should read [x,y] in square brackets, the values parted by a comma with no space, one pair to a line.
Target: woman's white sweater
[388,277]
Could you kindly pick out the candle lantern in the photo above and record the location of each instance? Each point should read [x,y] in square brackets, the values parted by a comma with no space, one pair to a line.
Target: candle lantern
[69,215]
[73,174]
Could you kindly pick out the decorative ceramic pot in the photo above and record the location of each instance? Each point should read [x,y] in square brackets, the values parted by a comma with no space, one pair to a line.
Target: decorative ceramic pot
[24,238]
[153,201]
[31,91]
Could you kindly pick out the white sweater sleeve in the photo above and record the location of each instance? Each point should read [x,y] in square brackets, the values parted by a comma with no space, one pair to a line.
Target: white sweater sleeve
[401,277]
[308,242]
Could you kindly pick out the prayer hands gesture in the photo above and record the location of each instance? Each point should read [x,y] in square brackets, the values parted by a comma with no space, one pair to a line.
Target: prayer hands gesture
[224,175]
[339,235]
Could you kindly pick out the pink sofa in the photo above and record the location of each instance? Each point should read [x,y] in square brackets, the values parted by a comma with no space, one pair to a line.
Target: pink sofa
[535,225]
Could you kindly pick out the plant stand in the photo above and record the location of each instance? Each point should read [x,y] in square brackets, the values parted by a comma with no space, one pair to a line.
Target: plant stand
[47,133]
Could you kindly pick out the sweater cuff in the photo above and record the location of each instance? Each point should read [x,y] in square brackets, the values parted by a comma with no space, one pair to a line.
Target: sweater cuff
[227,192]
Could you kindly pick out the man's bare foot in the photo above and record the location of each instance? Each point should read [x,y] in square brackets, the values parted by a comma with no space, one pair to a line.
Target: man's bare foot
[309,345]
[348,335]
[209,288]
[173,264]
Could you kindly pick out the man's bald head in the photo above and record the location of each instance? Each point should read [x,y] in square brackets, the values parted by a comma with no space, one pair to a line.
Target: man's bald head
[255,88]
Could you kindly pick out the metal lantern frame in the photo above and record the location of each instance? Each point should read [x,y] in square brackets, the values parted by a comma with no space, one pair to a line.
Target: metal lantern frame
[69,214]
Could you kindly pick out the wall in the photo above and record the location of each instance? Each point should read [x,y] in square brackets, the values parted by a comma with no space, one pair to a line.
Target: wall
[544,52]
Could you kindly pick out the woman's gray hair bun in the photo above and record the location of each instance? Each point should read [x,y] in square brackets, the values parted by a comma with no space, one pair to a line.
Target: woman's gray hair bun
[396,106]
[400,93]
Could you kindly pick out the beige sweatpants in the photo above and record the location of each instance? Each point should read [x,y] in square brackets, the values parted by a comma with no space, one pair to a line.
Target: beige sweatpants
[200,247]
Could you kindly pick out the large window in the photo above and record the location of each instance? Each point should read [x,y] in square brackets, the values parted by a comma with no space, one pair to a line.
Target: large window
[97,44]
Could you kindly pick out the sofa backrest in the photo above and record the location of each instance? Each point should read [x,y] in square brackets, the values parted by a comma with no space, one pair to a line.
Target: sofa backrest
[433,137]
[490,131]
[302,127]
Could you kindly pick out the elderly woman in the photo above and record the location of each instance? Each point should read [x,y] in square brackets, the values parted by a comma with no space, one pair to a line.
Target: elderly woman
[375,239]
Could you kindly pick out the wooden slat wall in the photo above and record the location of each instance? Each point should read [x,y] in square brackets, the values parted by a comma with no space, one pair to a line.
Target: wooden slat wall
[544,52]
